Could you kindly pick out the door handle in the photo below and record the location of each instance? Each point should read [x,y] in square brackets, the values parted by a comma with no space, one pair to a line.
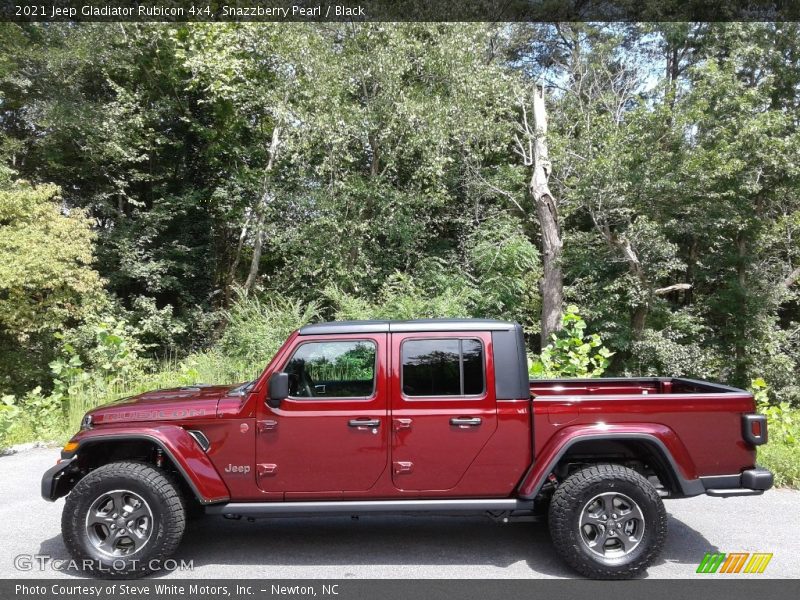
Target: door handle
[364,423]
[466,421]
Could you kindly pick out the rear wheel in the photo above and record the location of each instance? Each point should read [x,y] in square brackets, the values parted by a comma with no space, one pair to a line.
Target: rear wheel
[126,518]
[607,522]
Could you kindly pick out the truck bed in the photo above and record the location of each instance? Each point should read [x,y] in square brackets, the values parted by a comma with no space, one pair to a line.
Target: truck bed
[701,420]
[626,386]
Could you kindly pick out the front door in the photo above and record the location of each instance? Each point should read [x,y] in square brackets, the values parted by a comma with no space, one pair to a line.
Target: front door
[331,434]
[443,407]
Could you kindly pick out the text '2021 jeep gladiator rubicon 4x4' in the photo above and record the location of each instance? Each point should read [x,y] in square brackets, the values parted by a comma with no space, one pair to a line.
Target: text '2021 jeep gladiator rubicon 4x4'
[431,416]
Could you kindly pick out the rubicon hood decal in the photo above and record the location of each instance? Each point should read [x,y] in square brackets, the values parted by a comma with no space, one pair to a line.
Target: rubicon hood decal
[155,415]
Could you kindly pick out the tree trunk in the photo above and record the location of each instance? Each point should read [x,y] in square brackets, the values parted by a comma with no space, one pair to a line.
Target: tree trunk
[258,246]
[237,257]
[552,284]
[639,320]
[691,266]
[375,162]
[640,311]
[740,344]
[266,195]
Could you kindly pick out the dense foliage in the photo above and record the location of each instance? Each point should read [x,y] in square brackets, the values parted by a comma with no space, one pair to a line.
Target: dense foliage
[187,194]
[572,352]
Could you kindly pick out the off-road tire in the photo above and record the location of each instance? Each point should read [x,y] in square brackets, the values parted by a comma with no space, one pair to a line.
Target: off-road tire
[567,506]
[163,499]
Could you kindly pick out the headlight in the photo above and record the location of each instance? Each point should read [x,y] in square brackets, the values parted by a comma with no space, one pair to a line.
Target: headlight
[86,423]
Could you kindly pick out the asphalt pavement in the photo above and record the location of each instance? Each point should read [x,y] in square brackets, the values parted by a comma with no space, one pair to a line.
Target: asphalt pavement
[393,547]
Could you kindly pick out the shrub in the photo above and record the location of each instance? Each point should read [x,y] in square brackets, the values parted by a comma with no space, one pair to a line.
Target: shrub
[506,265]
[782,419]
[8,413]
[156,328]
[35,416]
[572,353]
[108,347]
[44,413]
[257,328]
[675,349]
[781,454]
[95,366]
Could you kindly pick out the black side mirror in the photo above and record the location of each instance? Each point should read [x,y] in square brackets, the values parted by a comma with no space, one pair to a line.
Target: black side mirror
[278,389]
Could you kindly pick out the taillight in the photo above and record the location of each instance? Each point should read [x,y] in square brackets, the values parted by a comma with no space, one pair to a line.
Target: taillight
[754,429]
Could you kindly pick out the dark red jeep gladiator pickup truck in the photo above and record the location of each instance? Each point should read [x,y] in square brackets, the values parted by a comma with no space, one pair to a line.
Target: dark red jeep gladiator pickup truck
[429,416]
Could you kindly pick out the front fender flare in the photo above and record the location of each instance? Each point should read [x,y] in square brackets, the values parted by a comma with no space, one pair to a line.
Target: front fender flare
[181,448]
[660,437]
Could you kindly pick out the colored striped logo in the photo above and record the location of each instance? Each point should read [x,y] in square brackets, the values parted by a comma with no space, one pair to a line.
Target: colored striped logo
[734,562]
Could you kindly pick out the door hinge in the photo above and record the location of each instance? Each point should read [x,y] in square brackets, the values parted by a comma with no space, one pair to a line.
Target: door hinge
[266,469]
[268,425]
[403,466]
[402,424]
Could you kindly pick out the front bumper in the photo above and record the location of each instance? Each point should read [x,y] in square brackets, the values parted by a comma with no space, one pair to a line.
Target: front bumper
[748,482]
[55,479]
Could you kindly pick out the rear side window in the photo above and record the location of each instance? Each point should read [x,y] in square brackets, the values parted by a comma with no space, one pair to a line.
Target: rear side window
[343,369]
[442,367]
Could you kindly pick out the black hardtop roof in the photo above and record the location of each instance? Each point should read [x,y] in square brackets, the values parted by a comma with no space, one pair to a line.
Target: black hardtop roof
[417,325]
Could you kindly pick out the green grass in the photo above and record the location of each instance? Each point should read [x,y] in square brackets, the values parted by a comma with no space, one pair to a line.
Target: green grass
[21,433]
[207,367]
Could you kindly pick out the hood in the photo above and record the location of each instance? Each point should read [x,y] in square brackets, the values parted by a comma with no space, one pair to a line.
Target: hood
[176,404]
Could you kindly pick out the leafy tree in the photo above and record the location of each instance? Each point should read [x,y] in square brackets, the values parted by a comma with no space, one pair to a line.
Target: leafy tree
[370,170]
[47,279]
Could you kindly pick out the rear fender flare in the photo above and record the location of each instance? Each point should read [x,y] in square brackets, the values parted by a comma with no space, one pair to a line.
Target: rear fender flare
[660,438]
[181,448]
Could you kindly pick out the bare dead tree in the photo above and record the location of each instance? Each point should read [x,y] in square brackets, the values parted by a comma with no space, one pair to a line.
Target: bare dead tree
[531,145]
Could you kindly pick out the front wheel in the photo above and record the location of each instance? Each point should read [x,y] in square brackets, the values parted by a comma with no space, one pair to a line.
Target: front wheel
[124,518]
[607,522]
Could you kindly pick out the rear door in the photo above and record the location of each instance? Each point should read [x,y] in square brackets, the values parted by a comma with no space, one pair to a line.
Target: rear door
[443,407]
[331,434]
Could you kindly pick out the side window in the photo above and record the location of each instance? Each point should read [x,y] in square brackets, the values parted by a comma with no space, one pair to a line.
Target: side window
[442,367]
[343,369]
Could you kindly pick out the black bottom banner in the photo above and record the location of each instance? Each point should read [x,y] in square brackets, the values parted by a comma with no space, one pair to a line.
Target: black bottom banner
[400,589]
